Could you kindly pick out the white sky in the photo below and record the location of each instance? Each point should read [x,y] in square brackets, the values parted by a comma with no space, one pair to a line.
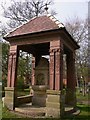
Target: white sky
[71,0]
[65,9]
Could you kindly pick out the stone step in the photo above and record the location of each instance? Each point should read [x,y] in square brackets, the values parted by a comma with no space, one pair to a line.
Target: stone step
[32,111]
[35,111]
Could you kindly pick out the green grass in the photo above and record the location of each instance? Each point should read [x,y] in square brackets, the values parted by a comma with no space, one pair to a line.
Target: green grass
[8,114]
[23,92]
[84,113]
[81,97]
[0,109]
[85,109]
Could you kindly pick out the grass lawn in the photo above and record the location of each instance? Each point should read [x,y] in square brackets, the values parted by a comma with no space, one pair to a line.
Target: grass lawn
[7,114]
[0,109]
[23,92]
[84,114]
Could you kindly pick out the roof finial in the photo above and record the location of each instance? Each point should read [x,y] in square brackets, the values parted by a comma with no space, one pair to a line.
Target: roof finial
[46,8]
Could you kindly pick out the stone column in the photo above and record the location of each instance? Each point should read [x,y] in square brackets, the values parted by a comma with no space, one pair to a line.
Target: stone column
[71,79]
[59,68]
[56,65]
[33,70]
[55,101]
[12,74]
[51,70]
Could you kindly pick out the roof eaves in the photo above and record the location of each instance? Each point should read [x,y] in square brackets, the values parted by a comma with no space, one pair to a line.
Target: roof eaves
[40,32]
[71,38]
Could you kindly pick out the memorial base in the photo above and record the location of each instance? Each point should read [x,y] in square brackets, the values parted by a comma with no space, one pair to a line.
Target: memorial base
[55,104]
[9,99]
[39,97]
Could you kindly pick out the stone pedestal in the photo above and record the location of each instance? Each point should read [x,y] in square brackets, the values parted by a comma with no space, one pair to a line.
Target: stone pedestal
[10,98]
[55,103]
[39,97]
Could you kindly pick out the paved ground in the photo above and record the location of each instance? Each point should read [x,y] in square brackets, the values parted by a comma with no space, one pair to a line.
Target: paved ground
[35,111]
[29,110]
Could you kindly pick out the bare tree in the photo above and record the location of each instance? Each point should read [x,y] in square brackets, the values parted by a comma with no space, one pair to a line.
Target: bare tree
[79,31]
[3,29]
[77,28]
[21,11]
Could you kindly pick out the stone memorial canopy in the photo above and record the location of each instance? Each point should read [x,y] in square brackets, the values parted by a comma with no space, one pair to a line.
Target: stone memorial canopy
[43,35]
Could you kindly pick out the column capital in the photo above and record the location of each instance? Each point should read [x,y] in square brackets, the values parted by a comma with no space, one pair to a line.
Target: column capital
[13,48]
[12,53]
[55,50]
[52,50]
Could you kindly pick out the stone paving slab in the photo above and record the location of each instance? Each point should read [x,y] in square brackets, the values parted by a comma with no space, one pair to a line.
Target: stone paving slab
[36,111]
[30,110]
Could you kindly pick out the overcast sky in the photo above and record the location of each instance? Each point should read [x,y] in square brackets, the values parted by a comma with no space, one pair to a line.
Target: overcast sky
[68,9]
[65,9]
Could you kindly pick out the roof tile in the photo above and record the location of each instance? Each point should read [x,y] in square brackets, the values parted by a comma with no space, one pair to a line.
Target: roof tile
[37,24]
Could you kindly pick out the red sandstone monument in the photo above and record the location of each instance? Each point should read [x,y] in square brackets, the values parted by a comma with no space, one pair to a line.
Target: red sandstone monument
[43,35]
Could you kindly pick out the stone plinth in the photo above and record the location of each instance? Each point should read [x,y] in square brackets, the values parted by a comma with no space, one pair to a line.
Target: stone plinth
[54,103]
[39,97]
[10,98]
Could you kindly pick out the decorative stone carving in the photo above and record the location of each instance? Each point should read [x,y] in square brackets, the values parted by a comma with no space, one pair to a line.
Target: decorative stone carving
[42,72]
[40,79]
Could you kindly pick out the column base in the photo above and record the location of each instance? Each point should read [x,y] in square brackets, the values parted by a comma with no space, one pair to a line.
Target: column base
[70,98]
[54,104]
[9,99]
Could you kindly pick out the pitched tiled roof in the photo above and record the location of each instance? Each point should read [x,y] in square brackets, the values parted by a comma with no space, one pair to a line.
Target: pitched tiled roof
[37,24]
